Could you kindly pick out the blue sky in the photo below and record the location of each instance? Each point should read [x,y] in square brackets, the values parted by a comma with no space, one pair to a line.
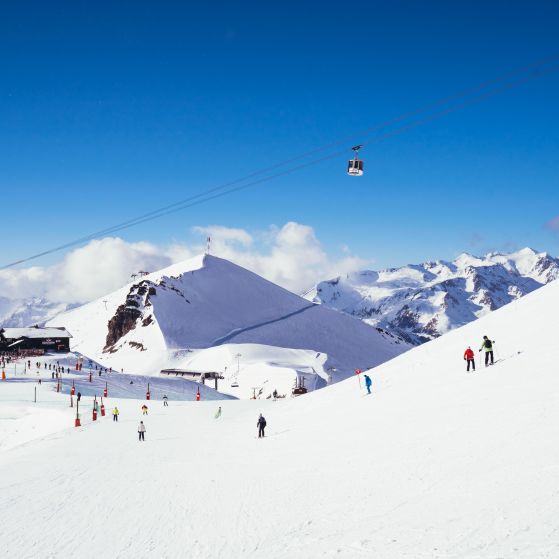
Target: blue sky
[112,109]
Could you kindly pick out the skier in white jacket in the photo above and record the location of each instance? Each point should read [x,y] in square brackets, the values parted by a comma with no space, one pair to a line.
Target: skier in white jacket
[141,431]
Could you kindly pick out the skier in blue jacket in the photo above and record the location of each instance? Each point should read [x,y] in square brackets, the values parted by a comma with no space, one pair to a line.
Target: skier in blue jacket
[368,383]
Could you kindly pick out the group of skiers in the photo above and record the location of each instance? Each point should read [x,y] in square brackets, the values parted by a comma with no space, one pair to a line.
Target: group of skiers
[487,346]
[260,424]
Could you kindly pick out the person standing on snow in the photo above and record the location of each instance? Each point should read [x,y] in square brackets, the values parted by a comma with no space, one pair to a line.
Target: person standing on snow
[487,345]
[368,383]
[141,431]
[261,424]
[115,414]
[469,357]
[165,401]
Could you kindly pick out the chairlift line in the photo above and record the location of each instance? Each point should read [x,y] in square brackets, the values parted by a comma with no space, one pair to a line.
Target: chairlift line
[355,166]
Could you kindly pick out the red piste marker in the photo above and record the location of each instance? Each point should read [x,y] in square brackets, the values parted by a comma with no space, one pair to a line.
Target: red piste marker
[358,372]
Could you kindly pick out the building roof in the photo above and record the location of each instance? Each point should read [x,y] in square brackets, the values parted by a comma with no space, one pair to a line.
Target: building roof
[35,332]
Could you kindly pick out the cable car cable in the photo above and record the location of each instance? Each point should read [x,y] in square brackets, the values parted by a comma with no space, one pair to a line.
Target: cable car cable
[214,193]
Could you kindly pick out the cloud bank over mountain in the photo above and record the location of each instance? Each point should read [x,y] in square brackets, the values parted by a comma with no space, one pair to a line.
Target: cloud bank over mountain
[291,256]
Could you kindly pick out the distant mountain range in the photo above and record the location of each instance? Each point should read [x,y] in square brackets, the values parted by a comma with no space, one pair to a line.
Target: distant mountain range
[421,302]
[18,313]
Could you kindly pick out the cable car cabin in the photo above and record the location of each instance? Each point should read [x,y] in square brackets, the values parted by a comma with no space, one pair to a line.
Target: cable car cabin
[355,167]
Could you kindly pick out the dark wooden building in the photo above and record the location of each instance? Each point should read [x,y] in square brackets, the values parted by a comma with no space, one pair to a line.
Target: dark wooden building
[35,338]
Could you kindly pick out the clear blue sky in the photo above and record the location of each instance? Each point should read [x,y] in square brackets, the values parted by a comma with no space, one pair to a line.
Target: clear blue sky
[110,109]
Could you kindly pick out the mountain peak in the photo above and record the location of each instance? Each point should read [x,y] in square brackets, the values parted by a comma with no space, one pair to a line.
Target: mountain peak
[420,306]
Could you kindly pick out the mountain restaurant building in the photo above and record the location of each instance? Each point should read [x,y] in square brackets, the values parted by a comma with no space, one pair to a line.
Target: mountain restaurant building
[35,338]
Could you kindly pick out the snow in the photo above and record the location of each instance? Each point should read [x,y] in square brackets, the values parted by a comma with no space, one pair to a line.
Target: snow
[190,309]
[52,332]
[421,302]
[28,312]
[436,463]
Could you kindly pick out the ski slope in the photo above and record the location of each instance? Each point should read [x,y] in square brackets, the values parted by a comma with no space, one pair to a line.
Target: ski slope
[436,463]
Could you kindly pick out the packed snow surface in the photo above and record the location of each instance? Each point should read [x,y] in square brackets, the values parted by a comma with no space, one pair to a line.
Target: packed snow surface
[436,463]
[421,302]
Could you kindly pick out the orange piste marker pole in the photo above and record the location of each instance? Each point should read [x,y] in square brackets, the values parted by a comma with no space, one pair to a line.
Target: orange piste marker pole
[358,373]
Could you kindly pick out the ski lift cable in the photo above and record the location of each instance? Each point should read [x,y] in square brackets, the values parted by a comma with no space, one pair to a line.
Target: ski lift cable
[535,69]
[365,131]
[378,139]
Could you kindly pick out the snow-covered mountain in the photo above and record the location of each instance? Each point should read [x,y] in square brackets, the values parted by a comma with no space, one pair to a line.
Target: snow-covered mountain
[19,313]
[202,313]
[421,302]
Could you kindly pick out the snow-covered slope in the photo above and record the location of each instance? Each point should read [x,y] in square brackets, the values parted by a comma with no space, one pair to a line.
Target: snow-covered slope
[195,315]
[19,313]
[435,464]
[421,302]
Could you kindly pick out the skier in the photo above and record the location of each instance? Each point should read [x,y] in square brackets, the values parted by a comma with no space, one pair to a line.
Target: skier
[144,410]
[115,414]
[141,431]
[487,344]
[368,383]
[165,401]
[469,357]
[261,424]
[79,396]
[275,394]
[218,413]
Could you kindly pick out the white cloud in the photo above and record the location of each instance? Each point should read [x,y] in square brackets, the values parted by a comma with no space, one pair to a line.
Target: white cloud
[291,256]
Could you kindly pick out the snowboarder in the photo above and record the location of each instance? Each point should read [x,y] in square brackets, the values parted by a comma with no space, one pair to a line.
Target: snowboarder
[144,410]
[261,424]
[218,413]
[469,357]
[165,401]
[487,345]
[115,414]
[368,383]
[141,431]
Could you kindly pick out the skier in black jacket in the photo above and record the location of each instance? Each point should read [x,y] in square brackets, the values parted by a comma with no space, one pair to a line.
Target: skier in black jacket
[487,345]
[261,424]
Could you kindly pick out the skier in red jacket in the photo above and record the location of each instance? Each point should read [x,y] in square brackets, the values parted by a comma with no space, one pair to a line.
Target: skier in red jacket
[469,357]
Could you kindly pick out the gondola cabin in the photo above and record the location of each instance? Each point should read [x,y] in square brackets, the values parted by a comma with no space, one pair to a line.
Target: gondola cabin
[355,167]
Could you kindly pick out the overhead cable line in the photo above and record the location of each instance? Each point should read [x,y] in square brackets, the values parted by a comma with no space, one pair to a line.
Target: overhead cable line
[535,70]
